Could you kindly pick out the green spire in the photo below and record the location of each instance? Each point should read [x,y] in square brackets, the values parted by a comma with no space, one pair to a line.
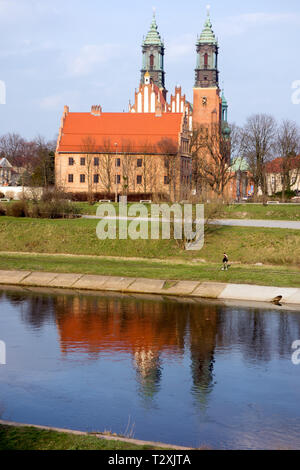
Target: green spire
[224,101]
[153,36]
[207,36]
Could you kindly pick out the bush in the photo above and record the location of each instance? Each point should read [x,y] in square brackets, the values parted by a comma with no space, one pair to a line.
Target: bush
[60,209]
[17,209]
[2,195]
[2,210]
[10,195]
[53,194]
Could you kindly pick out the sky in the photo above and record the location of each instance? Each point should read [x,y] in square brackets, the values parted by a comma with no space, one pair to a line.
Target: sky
[79,53]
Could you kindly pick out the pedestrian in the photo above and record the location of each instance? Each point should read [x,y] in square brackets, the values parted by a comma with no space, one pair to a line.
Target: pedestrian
[225,262]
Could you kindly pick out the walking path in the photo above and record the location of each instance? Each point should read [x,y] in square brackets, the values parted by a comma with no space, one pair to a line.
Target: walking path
[285,224]
[191,289]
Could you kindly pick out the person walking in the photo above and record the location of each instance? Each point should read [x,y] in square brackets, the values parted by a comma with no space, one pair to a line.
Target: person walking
[225,262]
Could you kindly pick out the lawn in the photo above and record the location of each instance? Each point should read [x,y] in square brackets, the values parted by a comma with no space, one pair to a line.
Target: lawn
[244,245]
[234,211]
[258,211]
[29,438]
[281,276]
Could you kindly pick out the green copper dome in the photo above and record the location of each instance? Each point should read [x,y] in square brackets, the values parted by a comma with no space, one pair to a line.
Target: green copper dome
[153,36]
[207,36]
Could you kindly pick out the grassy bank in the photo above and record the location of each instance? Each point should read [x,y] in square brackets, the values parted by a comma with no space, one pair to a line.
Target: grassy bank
[27,438]
[78,236]
[280,276]
[234,211]
[258,211]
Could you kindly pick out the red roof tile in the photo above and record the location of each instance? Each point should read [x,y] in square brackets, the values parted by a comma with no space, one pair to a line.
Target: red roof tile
[276,166]
[134,131]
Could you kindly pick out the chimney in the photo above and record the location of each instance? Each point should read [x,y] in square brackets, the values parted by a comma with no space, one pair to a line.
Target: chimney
[158,110]
[96,110]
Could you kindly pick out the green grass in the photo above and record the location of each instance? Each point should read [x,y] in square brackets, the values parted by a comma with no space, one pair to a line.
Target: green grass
[78,236]
[29,438]
[235,211]
[280,276]
[258,211]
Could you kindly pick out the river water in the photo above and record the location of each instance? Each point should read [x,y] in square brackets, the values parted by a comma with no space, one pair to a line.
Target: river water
[180,372]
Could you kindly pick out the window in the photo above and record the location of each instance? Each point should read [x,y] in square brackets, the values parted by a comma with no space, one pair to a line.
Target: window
[118,179]
[151,61]
[82,178]
[205,60]
[139,163]
[96,161]
[139,179]
[82,161]
[167,163]
[71,161]
[96,179]
[70,178]
[166,180]
[118,162]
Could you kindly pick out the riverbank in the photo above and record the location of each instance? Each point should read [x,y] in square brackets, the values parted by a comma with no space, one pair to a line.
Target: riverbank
[162,287]
[17,436]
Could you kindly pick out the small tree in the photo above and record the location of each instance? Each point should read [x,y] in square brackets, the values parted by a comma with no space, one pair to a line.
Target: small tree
[89,149]
[288,146]
[258,139]
[213,154]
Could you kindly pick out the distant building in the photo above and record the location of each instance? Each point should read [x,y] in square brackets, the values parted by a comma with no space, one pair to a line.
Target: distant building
[275,171]
[8,174]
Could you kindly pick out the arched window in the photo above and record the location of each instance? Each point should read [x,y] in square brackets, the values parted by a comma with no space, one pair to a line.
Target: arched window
[205,60]
[151,61]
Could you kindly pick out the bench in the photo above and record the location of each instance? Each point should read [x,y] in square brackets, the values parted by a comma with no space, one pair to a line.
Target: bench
[273,202]
[105,200]
[145,201]
[4,200]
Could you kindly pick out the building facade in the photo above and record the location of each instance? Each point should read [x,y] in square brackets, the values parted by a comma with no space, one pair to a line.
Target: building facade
[147,150]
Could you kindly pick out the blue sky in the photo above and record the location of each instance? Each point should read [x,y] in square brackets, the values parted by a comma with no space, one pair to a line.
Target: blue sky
[80,53]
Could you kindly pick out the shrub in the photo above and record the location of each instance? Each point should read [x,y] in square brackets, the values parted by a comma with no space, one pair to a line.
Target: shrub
[17,209]
[60,209]
[2,195]
[2,210]
[10,194]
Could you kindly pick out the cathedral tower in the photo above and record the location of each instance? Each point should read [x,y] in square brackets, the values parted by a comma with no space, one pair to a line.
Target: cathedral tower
[153,57]
[207,102]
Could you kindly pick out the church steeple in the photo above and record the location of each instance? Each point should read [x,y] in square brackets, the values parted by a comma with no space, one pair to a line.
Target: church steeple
[153,56]
[206,72]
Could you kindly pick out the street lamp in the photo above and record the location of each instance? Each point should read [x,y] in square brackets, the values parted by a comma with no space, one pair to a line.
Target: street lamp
[116,176]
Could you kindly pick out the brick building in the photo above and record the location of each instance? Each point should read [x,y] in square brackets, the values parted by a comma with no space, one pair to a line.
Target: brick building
[145,151]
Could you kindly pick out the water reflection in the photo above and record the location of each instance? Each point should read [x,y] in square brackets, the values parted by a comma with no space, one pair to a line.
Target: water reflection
[156,336]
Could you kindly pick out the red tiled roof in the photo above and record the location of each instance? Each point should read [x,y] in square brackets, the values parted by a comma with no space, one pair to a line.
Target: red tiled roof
[131,131]
[276,166]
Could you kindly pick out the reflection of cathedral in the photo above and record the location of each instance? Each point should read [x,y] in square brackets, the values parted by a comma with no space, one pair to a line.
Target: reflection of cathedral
[146,330]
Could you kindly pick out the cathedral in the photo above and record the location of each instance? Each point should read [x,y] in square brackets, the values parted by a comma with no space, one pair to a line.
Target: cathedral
[144,153]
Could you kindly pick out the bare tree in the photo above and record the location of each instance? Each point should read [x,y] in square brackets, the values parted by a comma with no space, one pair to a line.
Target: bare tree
[258,138]
[169,150]
[213,155]
[89,148]
[106,165]
[288,147]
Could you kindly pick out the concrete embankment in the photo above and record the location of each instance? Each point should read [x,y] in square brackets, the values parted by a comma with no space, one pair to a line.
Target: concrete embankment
[207,290]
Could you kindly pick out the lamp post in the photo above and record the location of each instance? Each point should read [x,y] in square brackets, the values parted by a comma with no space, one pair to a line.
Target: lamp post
[116,179]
